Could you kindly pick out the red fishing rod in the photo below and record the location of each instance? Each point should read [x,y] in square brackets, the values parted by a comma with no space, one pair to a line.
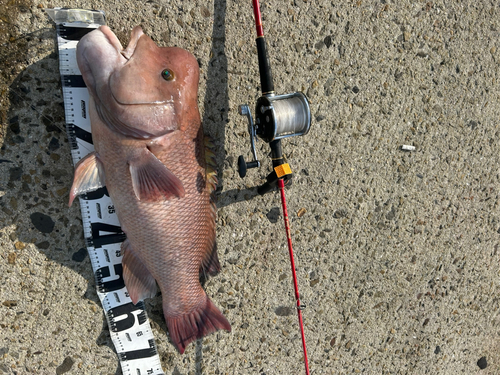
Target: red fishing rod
[281,187]
[277,117]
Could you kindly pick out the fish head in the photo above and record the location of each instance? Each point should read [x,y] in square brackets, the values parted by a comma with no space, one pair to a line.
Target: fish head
[143,91]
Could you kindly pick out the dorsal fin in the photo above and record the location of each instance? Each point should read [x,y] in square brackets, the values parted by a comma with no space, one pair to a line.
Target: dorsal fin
[211,165]
[210,263]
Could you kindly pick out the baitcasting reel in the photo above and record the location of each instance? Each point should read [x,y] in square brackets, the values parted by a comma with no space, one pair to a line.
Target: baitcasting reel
[277,117]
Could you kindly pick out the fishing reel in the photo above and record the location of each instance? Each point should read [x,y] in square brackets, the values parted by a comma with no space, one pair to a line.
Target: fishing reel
[276,117]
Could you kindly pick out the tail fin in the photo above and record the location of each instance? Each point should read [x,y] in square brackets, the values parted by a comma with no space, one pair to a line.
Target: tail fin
[197,324]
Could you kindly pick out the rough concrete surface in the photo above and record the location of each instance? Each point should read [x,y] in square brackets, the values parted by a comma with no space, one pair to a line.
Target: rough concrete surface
[397,252]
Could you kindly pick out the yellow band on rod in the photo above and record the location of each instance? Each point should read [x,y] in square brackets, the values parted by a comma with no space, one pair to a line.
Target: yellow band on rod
[282,170]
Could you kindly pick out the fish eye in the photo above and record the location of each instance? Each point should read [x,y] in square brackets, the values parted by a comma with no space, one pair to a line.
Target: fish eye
[167,75]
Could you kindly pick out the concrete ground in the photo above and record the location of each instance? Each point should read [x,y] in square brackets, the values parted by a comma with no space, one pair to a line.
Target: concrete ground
[397,251]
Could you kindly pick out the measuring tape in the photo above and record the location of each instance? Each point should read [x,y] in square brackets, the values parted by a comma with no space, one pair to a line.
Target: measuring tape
[128,323]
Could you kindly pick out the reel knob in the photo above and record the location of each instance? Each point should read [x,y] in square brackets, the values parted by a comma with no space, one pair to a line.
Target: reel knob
[243,166]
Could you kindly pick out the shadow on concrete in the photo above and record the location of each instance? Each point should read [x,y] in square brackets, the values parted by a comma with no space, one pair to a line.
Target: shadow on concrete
[36,169]
[216,104]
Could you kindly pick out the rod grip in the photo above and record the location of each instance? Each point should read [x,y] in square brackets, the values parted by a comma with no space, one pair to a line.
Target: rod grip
[266,76]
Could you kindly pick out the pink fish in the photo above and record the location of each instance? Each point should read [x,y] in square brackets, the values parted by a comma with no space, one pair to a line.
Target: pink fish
[152,156]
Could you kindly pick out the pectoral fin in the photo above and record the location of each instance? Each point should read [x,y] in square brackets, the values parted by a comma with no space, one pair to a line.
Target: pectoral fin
[89,176]
[152,180]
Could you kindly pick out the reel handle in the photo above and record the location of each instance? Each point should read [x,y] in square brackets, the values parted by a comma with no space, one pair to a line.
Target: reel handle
[244,110]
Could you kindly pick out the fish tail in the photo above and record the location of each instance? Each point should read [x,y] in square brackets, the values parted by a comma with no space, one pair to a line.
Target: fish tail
[203,321]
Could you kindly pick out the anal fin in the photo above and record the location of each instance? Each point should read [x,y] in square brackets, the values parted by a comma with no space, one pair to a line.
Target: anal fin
[211,263]
[138,280]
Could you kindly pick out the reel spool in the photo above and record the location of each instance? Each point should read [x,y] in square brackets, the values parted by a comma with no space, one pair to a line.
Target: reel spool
[277,117]
[282,116]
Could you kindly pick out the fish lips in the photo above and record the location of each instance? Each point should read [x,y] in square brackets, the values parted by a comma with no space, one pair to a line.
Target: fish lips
[135,35]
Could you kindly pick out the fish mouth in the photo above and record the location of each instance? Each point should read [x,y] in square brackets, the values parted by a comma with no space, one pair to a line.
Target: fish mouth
[169,104]
[115,124]
[115,43]
[111,37]
[124,55]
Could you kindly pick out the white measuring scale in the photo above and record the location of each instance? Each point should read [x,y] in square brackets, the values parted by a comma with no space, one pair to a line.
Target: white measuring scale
[128,323]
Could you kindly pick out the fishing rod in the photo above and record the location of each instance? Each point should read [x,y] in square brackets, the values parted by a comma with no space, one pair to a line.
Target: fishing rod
[277,117]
